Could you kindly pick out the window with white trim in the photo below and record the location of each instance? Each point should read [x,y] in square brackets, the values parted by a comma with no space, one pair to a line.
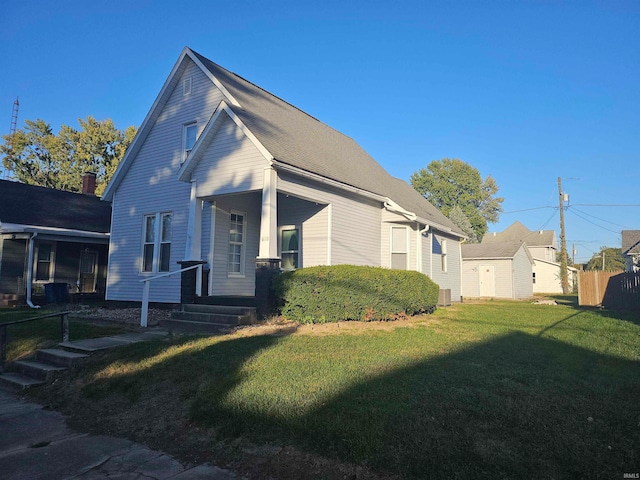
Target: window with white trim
[290,247]
[44,262]
[399,248]
[189,134]
[237,237]
[186,86]
[156,242]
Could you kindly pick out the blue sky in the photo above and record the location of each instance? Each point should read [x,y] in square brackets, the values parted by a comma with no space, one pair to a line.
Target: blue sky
[524,91]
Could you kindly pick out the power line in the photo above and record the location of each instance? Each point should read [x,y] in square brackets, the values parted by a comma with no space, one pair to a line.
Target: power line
[605,205]
[592,223]
[528,210]
[602,219]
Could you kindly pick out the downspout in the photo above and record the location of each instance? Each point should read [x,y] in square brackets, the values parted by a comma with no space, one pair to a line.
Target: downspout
[419,246]
[30,270]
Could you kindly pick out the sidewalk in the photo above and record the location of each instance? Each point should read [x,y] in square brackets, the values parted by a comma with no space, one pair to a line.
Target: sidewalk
[37,444]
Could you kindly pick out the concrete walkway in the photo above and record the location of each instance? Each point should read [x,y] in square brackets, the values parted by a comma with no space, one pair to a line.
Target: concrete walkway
[36,443]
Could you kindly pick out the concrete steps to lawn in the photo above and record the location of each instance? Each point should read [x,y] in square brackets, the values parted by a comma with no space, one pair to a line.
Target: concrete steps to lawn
[209,319]
[44,366]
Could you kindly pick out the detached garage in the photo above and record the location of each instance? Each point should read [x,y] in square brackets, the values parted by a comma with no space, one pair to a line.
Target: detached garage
[497,270]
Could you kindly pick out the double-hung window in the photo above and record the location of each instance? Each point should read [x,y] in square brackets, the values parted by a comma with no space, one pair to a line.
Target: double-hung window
[45,261]
[399,248]
[188,139]
[237,236]
[290,248]
[156,248]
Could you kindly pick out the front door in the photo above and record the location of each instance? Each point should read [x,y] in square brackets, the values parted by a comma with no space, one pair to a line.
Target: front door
[487,281]
[88,271]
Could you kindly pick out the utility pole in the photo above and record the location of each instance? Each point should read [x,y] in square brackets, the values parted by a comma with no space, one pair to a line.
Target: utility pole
[564,275]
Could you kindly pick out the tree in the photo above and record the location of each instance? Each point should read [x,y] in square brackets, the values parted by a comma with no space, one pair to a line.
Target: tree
[450,182]
[613,260]
[457,216]
[39,157]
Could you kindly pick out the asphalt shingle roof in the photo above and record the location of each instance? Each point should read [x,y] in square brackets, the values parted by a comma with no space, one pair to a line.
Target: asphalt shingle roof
[300,140]
[630,241]
[46,207]
[490,250]
[517,232]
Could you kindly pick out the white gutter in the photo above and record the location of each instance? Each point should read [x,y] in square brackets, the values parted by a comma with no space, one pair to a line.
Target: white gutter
[30,270]
[66,232]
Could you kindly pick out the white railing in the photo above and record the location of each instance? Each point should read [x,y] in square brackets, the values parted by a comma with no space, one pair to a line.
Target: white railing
[145,289]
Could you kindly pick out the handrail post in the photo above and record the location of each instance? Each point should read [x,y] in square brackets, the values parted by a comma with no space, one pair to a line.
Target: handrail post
[145,304]
[199,280]
[64,326]
[3,346]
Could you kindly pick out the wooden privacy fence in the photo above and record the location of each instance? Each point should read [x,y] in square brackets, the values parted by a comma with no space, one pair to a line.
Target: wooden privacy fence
[615,290]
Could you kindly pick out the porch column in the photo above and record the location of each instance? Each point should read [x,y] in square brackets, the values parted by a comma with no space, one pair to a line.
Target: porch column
[269,218]
[267,263]
[193,248]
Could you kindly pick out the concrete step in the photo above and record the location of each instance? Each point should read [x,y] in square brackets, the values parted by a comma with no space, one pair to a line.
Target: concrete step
[222,318]
[175,325]
[227,309]
[17,381]
[59,357]
[38,370]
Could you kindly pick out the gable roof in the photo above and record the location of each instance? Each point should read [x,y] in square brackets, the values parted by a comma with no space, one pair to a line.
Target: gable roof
[630,242]
[294,138]
[30,205]
[517,232]
[493,251]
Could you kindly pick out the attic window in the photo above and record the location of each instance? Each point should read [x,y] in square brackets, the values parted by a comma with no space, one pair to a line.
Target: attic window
[186,86]
[188,139]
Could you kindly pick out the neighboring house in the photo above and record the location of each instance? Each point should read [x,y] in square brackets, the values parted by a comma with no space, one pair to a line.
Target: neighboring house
[631,250]
[497,270]
[224,173]
[52,236]
[543,247]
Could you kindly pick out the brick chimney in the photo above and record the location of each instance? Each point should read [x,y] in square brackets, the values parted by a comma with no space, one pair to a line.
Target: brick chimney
[89,183]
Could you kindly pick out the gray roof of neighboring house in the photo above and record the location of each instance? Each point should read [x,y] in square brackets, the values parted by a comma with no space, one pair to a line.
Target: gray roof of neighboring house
[24,204]
[517,232]
[490,250]
[630,241]
[300,140]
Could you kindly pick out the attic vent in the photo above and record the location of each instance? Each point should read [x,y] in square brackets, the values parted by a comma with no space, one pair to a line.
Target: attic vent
[186,86]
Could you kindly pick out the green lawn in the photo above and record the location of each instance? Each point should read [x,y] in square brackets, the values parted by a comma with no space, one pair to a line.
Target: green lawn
[25,338]
[490,390]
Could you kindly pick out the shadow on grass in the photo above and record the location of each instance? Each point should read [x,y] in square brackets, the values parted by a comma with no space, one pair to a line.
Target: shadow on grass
[518,406]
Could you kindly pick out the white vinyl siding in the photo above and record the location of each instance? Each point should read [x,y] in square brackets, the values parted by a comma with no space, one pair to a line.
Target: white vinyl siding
[223,282]
[151,185]
[230,164]
[449,279]
[313,220]
[512,276]
[354,223]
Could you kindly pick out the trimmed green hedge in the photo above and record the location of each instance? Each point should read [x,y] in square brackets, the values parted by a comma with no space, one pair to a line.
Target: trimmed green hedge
[348,292]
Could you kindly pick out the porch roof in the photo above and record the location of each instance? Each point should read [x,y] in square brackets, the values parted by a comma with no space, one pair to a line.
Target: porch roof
[34,206]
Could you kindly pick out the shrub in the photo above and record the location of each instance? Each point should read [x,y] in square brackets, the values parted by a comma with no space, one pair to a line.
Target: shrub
[348,292]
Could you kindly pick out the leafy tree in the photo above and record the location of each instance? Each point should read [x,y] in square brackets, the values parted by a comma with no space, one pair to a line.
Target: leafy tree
[613,260]
[39,157]
[450,182]
[457,216]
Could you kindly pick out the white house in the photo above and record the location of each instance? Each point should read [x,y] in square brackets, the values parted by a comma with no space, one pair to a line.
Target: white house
[497,270]
[224,173]
[543,248]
